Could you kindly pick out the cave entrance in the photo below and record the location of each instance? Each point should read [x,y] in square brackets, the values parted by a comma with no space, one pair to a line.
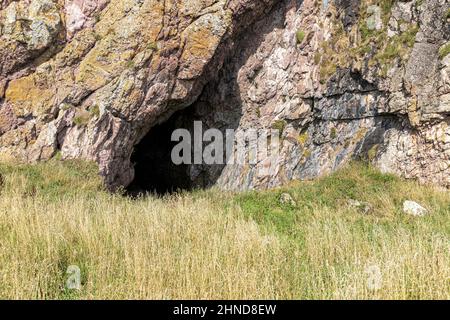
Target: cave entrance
[154,170]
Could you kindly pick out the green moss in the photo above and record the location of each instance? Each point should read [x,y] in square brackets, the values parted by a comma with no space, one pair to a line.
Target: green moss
[82,117]
[97,37]
[95,110]
[372,153]
[333,133]
[366,33]
[80,121]
[409,36]
[363,44]
[300,36]
[399,46]
[444,50]
[152,46]
[317,57]
[65,106]
[302,138]
[334,53]
[386,6]
[327,69]
[130,64]
[391,51]
[306,153]
[57,156]
[360,51]
[279,125]
[374,37]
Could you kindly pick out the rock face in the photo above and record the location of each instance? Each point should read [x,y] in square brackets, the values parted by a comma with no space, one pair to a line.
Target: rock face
[341,80]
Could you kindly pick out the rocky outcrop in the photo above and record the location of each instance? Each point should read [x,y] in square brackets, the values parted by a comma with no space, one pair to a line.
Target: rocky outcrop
[341,80]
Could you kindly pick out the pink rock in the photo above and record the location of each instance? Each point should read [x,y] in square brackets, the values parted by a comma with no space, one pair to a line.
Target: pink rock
[79,12]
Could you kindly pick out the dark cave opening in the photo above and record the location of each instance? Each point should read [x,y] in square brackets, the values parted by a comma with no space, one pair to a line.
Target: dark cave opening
[154,170]
[156,173]
[219,106]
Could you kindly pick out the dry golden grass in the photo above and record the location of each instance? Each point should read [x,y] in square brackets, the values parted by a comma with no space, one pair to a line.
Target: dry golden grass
[209,244]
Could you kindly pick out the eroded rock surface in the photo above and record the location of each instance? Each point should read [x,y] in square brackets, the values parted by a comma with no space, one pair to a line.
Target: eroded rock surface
[343,80]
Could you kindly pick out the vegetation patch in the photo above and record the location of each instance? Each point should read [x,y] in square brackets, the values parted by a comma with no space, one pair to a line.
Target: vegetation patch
[399,46]
[300,36]
[444,50]
[55,215]
[81,118]
[95,110]
[52,180]
[130,64]
[303,138]
[372,153]
[152,46]
[350,49]
[279,125]
[333,133]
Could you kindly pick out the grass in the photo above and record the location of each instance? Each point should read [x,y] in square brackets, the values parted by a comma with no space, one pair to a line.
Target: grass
[212,244]
[95,110]
[352,48]
[444,50]
[399,46]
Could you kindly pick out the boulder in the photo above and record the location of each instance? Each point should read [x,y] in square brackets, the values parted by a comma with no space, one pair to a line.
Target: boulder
[414,209]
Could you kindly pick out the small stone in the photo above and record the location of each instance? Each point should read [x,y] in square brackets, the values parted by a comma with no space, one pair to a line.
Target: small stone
[414,209]
[286,199]
[363,207]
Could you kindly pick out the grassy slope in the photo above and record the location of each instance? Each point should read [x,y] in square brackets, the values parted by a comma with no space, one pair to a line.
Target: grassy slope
[211,244]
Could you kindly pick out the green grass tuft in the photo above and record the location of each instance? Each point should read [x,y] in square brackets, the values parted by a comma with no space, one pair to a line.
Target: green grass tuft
[95,110]
[300,35]
[52,179]
[444,50]
[279,125]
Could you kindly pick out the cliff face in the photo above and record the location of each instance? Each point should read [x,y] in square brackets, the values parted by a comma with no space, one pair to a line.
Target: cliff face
[340,79]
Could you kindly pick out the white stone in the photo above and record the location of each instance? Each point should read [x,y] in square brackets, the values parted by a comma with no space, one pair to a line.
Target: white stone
[414,209]
[75,18]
